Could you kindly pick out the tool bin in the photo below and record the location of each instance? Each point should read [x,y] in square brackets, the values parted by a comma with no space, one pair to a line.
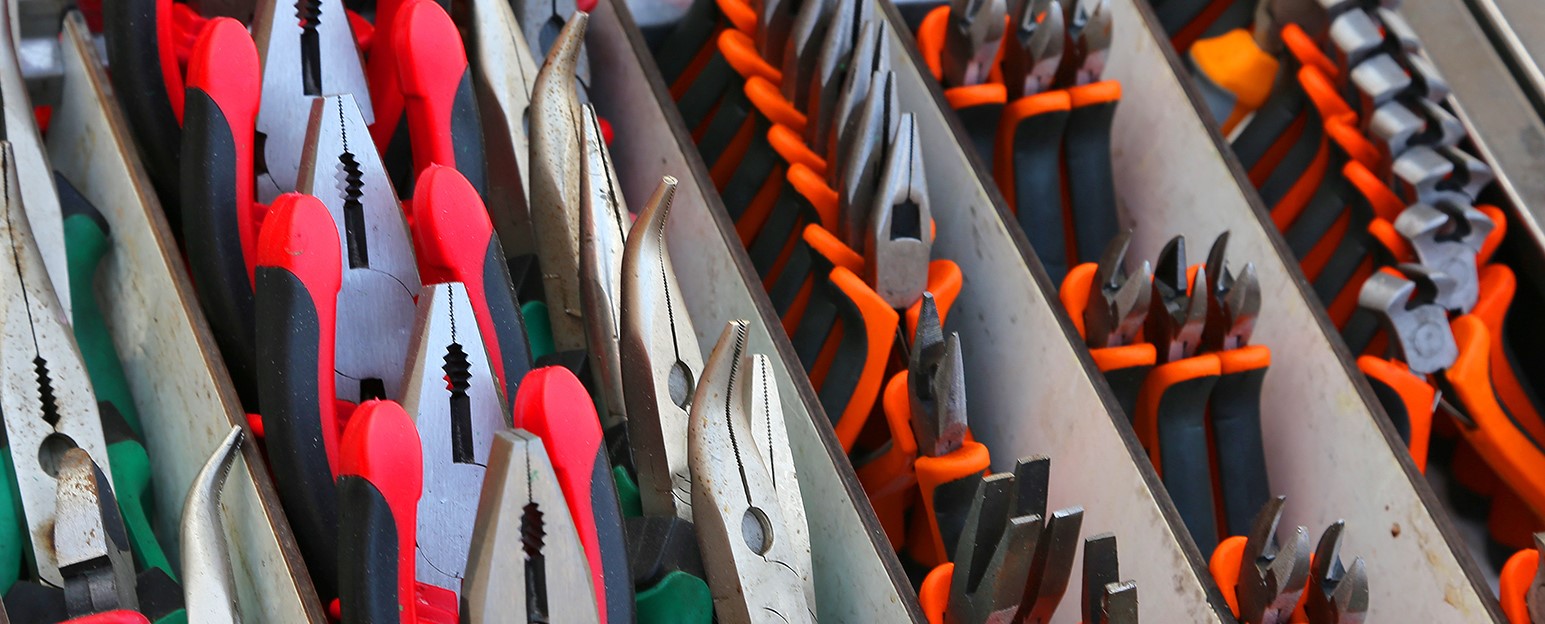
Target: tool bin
[1329,448]
[175,374]
[858,578]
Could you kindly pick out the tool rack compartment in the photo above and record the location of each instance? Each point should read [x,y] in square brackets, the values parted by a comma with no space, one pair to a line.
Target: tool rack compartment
[857,577]
[179,383]
[1032,390]
[1329,446]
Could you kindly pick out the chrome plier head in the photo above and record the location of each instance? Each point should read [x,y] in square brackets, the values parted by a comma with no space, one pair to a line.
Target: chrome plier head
[1405,305]
[526,556]
[971,38]
[1271,578]
[45,395]
[751,553]
[1235,301]
[340,167]
[936,379]
[1337,594]
[664,361]
[454,399]
[1118,301]
[1175,317]
[862,158]
[308,51]
[90,541]
[899,239]
[209,587]
[1446,237]
[603,226]
[1036,42]
[994,555]
[1089,37]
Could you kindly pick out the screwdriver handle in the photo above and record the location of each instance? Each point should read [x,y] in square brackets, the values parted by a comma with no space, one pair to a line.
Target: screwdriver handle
[441,105]
[1027,164]
[1236,427]
[298,278]
[379,486]
[218,211]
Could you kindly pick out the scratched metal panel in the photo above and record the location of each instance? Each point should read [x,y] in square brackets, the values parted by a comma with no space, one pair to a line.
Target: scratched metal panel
[1330,448]
[858,578]
[1030,389]
[179,382]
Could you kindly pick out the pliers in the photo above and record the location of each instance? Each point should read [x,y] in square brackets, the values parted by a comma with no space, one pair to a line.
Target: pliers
[541,23]
[1109,306]
[1106,598]
[1261,581]
[755,561]
[380,483]
[1337,594]
[555,183]
[604,223]
[307,51]
[1235,405]
[209,587]
[665,362]
[971,39]
[522,510]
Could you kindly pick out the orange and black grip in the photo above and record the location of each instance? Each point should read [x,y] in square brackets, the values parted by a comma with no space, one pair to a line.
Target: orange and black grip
[442,116]
[1275,120]
[1235,413]
[687,40]
[1514,582]
[849,369]
[455,242]
[1171,423]
[888,479]
[149,85]
[1091,186]
[1407,398]
[218,228]
[946,486]
[380,481]
[298,277]
[1125,367]
[979,108]
[1027,164]
[552,404]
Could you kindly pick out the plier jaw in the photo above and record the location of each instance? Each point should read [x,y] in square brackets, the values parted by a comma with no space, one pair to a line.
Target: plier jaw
[1234,301]
[1405,304]
[751,556]
[1337,594]
[936,380]
[1271,578]
[1118,303]
[898,240]
[1037,43]
[971,40]
[1177,315]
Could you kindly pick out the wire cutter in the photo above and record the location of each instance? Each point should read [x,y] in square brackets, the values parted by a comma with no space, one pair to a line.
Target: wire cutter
[1171,416]
[665,362]
[1261,581]
[971,40]
[379,274]
[523,510]
[307,51]
[756,562]
[1234,417]
[603,227]
[1522,585]
[47,396]
[1109,306]
[209,587]
[1336,594]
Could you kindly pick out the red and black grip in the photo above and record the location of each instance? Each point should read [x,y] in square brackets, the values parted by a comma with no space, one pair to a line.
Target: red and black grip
[380,481]
[218,220]
[437,90]
[298,277]
[149,85]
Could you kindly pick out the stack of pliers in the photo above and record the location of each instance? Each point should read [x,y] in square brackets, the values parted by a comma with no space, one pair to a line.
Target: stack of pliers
[1026,80]
[1343,125]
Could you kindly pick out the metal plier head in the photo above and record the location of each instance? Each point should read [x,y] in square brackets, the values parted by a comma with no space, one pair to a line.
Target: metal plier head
[752,557]
[936,378]
[308,51]
[1175,317]
[863,157]
[1036,42]
[1337,594]
[1419,333]
[1118,301]
[90,541]
[522,510]
[340,167]
[664,361]
[1271,578]
[831,68]
[1235,300]
[1425,173]
[455,401]
[871,57]
[1446,237]
[1401,124]
[554,169]
[209,587]
[541,21]
[971,38]
[899,234]
[994,555]
[603,227]
[46,395]
[1106,599]
[1090,24]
